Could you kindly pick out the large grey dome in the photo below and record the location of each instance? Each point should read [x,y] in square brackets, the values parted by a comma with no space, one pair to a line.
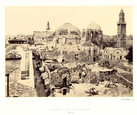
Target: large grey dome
[67,29]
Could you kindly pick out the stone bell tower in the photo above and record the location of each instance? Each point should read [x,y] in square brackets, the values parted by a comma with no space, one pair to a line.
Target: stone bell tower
[121,30]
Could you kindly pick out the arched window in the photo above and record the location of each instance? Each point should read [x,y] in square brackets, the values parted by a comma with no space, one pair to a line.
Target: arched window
[89,51]
[94,51]
[111,56]
[94,59]
[91,34]
[29,39]
[57,41]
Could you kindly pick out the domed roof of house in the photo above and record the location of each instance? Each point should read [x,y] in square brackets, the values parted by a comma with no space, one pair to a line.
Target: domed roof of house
[94,26]
[67,29]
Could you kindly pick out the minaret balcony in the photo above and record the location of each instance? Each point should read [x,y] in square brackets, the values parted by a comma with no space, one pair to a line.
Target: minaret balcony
[119,23]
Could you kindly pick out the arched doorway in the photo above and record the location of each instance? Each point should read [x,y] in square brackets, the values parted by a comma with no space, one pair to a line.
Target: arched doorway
[94,59]
[63,60]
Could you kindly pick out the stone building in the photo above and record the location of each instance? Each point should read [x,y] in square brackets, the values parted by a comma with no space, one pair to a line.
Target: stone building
[43,36]
[92,51]
[68,53]
[109,41]
[25,62]
[13,59]
[121,30]
[39,45]
[114,53]
[67,34]
[94,34]
[30,39]
[7,38]
[19,71]
[92,41]
[17,40]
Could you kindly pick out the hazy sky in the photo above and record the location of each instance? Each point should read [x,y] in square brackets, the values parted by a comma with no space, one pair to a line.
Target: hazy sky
[26,19]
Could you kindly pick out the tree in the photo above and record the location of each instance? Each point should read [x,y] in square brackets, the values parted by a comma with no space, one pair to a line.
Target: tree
[129,56]
[106,63]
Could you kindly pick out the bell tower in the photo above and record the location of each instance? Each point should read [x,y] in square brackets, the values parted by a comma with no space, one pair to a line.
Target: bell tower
[121,30]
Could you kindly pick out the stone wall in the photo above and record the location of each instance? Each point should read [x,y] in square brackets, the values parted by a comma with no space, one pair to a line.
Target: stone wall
[71,41]
[16,63]
[16,74]
[21,90]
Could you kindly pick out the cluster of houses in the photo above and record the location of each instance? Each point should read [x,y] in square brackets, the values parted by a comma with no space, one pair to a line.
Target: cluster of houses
[66,44]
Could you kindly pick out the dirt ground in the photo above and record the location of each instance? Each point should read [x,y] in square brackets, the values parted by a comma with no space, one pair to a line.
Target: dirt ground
[79,90]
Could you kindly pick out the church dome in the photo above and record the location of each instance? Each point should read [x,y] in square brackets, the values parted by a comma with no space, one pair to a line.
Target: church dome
[67,29]
[94,26]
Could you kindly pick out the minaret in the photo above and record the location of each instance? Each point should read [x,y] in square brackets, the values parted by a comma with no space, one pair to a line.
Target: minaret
[48,28]
[121,30]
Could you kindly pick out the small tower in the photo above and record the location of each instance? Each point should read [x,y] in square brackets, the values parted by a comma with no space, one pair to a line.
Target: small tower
[121,30]
[48,28]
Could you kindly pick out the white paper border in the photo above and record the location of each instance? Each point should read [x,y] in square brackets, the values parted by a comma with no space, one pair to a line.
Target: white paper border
[52,106]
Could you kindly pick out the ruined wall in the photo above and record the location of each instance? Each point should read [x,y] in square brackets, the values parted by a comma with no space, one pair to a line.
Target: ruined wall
[20,90]
[16,74]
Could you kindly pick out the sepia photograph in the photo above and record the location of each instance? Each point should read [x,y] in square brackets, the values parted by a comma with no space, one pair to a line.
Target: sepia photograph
[69,51]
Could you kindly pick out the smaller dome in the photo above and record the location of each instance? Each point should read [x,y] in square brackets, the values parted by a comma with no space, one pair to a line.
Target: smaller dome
[94,26]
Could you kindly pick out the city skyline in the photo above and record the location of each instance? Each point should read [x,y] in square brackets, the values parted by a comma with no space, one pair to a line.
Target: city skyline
[26,19]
